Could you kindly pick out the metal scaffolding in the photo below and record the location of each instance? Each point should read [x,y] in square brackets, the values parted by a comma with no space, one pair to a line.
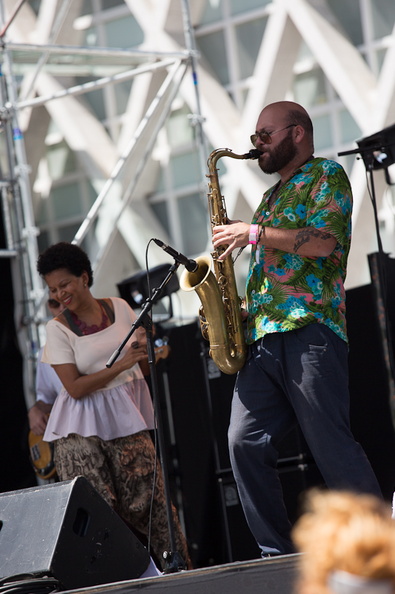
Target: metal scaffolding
[18,217]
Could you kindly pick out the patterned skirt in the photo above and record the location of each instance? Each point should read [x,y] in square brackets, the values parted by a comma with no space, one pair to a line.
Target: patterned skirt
[127,474]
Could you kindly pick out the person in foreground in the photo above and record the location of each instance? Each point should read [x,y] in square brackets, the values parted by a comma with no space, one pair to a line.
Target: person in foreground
[100,420]
[348,541]
[297,363]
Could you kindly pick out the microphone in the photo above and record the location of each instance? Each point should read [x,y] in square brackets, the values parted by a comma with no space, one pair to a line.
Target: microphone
[190,265]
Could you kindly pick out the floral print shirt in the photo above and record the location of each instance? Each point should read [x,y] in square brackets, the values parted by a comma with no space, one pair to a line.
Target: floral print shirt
[284,290]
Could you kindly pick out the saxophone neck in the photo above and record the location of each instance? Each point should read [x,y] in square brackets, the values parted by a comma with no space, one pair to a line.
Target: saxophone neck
[217,154]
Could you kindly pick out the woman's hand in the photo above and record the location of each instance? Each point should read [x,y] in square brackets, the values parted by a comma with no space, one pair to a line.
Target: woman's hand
[79,386]
[136,353]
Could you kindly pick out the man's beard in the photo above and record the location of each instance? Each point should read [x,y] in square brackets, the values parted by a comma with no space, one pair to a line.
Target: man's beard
[280,156]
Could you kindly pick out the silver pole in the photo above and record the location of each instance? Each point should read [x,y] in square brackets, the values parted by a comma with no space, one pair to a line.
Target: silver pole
[119,166]
[165,98]
[196,118]
[92,85]
[97,52]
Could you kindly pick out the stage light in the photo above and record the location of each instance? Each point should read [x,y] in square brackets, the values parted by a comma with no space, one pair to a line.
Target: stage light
[378,150]
[135,289]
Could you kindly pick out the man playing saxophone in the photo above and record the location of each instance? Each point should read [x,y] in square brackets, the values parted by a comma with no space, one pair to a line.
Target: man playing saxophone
[297,363]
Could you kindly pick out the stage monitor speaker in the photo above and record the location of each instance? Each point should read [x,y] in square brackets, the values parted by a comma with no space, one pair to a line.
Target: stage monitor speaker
[67,531]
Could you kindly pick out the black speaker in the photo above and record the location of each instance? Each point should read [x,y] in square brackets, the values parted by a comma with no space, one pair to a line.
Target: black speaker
[192,471]
[238,541]
[296,479]
[370,386]
[67,531]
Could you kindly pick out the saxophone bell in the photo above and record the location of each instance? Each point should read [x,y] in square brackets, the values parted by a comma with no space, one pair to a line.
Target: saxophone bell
[216,321]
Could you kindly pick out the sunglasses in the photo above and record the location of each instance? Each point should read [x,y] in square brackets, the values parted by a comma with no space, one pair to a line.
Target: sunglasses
[266,137]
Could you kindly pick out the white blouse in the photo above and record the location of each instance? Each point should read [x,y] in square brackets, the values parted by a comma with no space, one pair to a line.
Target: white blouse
[123,407]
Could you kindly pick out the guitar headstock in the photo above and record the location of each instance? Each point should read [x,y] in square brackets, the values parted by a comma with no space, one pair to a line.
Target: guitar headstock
[162,352]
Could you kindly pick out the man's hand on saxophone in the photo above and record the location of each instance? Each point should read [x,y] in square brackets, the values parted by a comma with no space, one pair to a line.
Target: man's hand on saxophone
[235,234]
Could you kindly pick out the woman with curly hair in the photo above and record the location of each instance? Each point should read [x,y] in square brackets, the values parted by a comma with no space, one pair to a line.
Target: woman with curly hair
[348,541]
[101,419]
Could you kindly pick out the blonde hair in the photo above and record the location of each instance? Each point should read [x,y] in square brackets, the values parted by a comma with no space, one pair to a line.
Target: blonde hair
[344,532]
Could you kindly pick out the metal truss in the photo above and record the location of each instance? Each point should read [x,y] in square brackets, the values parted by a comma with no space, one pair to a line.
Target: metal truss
[20,230]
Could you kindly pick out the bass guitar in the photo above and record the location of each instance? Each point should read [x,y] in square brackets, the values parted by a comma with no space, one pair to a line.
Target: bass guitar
[41,456]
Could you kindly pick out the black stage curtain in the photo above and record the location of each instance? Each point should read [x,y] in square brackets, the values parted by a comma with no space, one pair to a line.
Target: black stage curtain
[370,376]
[17,472]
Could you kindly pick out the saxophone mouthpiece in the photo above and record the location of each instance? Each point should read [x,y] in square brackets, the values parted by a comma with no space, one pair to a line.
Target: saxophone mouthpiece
[253,154]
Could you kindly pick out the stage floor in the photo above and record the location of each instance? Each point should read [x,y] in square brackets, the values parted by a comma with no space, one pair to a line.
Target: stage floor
[260,576]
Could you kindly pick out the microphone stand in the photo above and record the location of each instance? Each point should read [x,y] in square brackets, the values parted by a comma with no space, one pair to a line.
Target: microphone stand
[173,559]
[370,150]
[382,293]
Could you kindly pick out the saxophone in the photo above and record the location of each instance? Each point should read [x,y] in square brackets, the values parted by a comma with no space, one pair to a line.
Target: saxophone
[219,314]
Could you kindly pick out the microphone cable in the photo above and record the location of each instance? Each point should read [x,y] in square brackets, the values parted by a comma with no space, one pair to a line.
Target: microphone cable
[29,583]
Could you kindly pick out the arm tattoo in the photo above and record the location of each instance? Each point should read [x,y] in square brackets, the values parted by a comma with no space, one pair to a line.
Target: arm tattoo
[306,234]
